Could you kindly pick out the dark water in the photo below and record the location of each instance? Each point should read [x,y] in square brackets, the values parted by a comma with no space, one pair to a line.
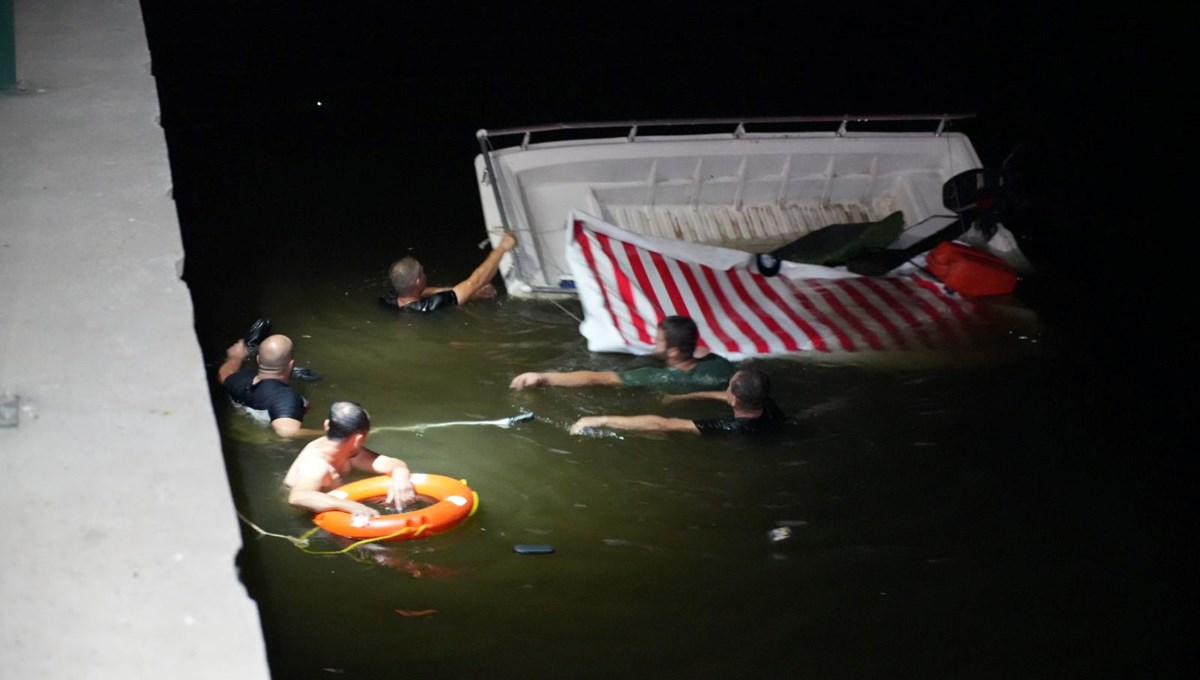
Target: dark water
[1014,517]
[971,522]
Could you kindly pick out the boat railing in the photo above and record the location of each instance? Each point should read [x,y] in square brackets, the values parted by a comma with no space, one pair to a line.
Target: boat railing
[739,125]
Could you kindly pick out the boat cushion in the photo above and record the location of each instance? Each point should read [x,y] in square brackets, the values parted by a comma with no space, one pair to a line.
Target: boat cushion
[835,244]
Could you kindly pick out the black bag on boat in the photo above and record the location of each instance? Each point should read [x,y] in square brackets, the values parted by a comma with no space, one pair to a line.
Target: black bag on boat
[835,244]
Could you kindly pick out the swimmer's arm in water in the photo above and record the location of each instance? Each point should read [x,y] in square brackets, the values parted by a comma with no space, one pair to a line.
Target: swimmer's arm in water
[234,356]
[712,394]
[646,423]
[483,274]
[568,379]
[487,291]
[401,491]
[306,492]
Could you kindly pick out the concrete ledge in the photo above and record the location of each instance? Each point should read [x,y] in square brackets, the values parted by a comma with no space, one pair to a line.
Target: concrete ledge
[121,531]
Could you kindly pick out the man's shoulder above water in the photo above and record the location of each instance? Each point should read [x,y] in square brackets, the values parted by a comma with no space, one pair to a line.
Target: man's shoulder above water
[770,421]
[429,303]
[710,370]
[240,384]
[715,363]
[274,397]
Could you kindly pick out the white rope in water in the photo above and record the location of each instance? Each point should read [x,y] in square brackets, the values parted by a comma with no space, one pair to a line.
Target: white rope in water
[565,310]
[500,422]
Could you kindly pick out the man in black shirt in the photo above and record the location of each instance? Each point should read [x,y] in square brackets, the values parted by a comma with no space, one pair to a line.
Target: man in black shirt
[266,390]
[754,413]
[410,294]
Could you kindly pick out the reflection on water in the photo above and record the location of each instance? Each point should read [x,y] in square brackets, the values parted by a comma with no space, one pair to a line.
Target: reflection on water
[930,506]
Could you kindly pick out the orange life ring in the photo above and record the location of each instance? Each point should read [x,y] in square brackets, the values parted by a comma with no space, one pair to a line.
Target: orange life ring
[456,503]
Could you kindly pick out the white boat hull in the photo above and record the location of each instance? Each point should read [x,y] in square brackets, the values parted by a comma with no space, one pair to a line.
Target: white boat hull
[748,191]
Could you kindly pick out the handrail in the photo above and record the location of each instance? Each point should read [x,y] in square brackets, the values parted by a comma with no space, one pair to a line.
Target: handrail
[483,135]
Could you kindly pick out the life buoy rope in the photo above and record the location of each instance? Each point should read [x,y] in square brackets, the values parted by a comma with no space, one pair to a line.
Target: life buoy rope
[456,503]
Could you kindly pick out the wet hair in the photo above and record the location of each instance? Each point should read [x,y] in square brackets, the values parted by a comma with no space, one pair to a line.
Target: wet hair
[751,387]
[680,332]
[347,418]
[404,274]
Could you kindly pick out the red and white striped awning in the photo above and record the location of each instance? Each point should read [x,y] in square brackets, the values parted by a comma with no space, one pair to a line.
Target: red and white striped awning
[628,282]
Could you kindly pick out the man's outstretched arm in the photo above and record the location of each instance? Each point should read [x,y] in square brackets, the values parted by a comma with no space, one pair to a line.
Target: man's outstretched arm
[400,491]
[711,394]
[484,273]
[646,423]
[569,379]
[234,356]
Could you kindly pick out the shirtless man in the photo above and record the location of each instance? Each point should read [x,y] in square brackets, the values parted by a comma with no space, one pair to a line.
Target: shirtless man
[324,463]
[409,292]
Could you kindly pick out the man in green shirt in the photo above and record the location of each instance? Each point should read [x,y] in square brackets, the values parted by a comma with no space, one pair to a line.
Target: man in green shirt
[674,344]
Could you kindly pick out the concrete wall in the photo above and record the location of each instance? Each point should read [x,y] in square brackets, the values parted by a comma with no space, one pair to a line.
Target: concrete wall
[120,533]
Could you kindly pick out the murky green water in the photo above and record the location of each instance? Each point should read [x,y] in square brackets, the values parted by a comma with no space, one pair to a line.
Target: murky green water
[946,521]
[996,519]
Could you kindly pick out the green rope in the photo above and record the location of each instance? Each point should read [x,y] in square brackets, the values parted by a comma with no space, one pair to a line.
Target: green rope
[302,542]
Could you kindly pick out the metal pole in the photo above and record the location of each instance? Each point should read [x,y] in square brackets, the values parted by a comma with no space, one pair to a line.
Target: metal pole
[8,46]
[485,148]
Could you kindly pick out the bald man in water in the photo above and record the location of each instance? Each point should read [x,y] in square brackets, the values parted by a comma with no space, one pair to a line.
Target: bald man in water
[266,390]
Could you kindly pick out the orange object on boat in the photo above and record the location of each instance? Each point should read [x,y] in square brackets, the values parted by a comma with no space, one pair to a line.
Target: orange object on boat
[456,503]
[969,271]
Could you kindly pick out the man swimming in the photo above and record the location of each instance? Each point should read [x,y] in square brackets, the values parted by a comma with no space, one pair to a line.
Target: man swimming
[674,344]
[748,394]
[409,292]
[266,390]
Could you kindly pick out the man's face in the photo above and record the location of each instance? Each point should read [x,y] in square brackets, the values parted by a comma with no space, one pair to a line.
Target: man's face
[660,345]
[729,388]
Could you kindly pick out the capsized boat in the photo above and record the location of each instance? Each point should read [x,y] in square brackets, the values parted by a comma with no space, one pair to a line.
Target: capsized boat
[689,221]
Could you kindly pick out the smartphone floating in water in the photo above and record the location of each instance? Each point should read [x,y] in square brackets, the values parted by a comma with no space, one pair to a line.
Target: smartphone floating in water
[532,549]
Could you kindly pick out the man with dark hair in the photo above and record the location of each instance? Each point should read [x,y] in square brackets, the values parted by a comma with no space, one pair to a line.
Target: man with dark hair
[324,463]
[266,392]
[409,292]
[681,333]
[748,394]
[674,344]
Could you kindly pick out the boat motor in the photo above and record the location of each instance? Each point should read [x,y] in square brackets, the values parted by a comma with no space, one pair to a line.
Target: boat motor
[979,197]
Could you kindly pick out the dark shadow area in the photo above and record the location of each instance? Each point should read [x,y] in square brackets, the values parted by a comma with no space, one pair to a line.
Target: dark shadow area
[351,124]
